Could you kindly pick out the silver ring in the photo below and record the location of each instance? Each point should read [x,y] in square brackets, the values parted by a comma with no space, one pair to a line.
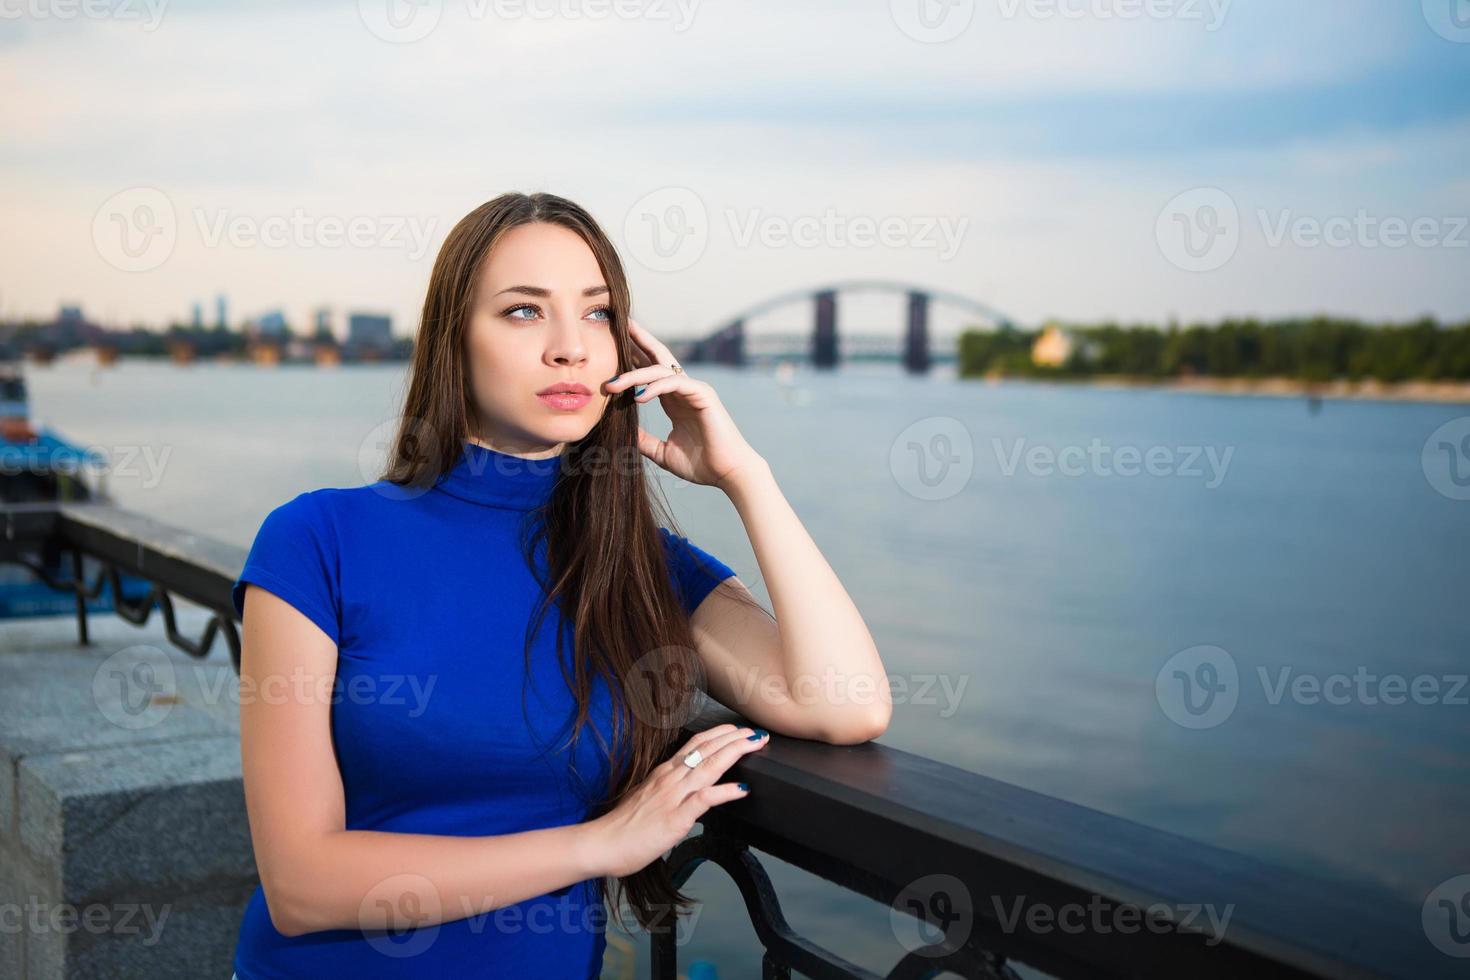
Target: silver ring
[692,759]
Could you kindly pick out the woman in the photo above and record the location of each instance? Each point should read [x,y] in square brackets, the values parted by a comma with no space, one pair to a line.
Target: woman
[461,685]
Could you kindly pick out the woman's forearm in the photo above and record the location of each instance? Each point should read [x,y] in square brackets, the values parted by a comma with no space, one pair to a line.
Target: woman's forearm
[368,879]
[830,661]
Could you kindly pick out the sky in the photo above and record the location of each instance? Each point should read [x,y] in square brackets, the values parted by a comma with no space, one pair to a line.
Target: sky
[1086,160]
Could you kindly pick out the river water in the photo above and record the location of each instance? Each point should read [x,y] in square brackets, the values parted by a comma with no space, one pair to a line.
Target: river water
[1187,610]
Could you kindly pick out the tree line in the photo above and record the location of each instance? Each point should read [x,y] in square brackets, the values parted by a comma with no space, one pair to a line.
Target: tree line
[1310,349]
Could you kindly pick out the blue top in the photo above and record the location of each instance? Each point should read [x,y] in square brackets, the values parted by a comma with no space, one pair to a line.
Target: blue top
[427,596]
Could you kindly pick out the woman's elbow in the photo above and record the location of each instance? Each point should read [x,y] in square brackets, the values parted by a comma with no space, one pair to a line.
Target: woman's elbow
[859,728]
[284,917]
[290,909]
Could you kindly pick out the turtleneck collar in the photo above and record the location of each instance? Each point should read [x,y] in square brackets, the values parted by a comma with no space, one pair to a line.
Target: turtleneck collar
[495,479]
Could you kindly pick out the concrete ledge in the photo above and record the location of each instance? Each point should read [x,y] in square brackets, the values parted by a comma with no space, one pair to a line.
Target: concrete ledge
[124,845]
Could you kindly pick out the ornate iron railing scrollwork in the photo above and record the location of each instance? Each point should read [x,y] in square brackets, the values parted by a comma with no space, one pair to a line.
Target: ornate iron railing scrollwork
[783,949]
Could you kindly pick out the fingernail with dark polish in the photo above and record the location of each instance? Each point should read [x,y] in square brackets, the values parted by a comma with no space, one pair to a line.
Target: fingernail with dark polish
[638,390]
[757,735]
[743,788]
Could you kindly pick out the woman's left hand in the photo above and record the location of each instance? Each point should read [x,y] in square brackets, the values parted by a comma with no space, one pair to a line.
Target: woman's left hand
[704,446]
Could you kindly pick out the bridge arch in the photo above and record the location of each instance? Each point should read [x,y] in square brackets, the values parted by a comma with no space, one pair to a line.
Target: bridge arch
[726,345]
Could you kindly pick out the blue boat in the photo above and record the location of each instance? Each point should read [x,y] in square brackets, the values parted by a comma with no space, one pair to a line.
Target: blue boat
[38,466]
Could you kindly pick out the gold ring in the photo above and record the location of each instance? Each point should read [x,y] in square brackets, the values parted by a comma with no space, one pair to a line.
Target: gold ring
[677,368]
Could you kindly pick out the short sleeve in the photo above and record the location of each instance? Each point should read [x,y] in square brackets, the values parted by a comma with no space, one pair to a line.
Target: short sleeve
[294,556]
[695,571]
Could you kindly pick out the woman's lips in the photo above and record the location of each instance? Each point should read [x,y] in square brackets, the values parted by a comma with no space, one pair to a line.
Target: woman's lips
[565,400]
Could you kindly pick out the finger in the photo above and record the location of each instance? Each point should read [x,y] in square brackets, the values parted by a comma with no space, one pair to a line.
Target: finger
[697,802]
[695,741]
[637,377]
[666,384]
[639,336]
[640,357]
[650,343]
[652,446]
[707,742]
[720,757]
[637,356]
[712,749]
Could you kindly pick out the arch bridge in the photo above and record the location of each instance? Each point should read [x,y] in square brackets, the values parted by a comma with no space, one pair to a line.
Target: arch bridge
[730,344]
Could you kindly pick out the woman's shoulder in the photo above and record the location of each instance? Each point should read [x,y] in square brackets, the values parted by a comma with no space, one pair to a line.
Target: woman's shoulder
[321,509]
[330,500]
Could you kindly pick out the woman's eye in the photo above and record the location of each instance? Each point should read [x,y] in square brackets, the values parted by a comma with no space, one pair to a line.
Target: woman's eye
[510,313]
[605,311]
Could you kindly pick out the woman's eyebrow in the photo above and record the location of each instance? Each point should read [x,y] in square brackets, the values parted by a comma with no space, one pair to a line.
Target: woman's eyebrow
[539,291]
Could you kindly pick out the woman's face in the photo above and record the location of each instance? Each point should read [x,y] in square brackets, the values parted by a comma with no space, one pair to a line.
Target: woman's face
[540,316]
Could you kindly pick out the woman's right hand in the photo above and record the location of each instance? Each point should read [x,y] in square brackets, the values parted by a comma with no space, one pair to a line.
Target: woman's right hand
[662,809]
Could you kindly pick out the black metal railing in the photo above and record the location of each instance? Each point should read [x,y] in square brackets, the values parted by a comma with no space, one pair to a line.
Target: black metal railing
[178,563]
[997,875]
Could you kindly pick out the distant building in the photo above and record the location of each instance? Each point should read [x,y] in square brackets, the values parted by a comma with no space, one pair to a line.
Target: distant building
[71,328]
[198,318]
[322,321]
[271,324]
[222,319]
[369,330]
[1053,348]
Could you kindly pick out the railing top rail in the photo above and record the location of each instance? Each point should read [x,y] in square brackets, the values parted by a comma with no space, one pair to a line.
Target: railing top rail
[876,818]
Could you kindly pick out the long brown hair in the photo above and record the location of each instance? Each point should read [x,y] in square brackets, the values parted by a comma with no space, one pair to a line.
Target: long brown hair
[607,568]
